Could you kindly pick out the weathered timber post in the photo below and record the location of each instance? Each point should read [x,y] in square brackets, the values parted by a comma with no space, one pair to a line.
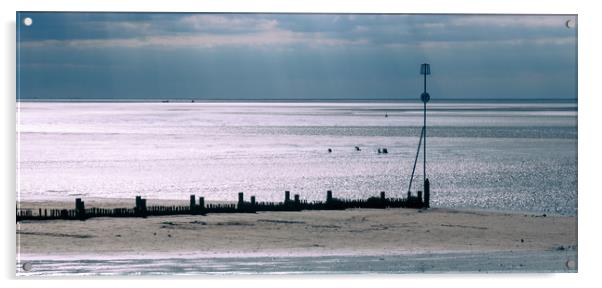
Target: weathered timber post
[192,203]
[80,208]
[201,203]
[287,196]
[297,201]
[241,200]
[328,196]
[383,199]
[253,200]
[138,205]
[143,207]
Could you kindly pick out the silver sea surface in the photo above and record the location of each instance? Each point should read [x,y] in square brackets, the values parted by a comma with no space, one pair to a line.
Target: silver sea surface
[506,156]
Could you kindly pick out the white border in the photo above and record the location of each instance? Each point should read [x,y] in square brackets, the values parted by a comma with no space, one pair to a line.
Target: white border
[589,131]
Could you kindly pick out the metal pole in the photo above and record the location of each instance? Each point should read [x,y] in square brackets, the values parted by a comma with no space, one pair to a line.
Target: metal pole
[424,147]
[416,160]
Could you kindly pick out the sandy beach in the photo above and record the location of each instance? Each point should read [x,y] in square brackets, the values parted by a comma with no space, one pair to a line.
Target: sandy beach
[354,232]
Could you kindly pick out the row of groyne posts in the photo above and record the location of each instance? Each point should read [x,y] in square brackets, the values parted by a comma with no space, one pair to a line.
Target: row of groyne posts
[201,208]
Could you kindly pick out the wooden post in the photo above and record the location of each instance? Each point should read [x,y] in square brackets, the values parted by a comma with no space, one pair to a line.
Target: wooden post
[202,202]
[287,196]
[297,202]
[241,200]
[253,200]
[192,203]
[143,207]
[419,196]
[80,209]
[328,196]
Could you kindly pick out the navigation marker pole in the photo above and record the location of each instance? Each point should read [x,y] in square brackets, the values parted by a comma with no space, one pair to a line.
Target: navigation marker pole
[425,69]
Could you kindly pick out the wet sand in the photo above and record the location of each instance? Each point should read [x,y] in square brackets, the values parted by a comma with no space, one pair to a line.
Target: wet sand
[349,232]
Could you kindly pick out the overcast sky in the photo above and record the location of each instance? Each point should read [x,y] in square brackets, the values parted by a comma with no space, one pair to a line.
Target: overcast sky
[294,56]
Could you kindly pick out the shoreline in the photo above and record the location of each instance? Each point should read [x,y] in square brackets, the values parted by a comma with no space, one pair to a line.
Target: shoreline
[393,240]
[362,231]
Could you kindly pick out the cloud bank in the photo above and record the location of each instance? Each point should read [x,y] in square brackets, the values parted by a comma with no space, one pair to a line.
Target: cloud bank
[337,55]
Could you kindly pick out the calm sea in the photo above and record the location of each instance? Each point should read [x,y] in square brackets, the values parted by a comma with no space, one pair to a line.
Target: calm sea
[519,156]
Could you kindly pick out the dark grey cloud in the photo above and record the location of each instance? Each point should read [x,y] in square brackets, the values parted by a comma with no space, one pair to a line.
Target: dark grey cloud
[275,56]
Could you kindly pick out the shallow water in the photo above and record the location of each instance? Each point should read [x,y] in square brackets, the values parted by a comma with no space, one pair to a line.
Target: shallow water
[502,156]
[518,261]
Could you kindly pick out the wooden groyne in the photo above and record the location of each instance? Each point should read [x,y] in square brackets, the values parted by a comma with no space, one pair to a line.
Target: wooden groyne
[141,209]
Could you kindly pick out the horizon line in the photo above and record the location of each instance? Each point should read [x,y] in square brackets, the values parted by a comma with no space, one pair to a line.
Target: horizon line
[279,99]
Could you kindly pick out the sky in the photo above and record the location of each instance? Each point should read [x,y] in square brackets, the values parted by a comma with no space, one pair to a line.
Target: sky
[294,56]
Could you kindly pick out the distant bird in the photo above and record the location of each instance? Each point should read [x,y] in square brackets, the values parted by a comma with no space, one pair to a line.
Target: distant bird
[329,150]
[357,148]
[385,151]
[386,115]
[379,151]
